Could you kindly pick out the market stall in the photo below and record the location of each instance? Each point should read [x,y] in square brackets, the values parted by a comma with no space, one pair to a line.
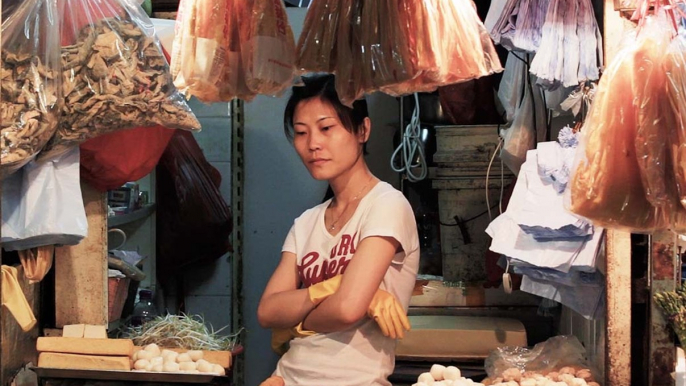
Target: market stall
[547,255]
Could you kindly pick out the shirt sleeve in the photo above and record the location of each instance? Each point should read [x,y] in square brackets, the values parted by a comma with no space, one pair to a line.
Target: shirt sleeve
[391,215]
[289,243]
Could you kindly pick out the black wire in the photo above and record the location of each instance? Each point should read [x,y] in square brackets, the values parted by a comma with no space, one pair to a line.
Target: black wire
[469,219]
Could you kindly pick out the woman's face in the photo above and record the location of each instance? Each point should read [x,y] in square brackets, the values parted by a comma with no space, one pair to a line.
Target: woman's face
[324,145]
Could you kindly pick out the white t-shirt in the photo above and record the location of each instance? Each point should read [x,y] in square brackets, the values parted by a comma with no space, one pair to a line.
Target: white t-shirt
[360,356]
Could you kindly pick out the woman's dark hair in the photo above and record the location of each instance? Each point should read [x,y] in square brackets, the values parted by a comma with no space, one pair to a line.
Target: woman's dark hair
[324,87]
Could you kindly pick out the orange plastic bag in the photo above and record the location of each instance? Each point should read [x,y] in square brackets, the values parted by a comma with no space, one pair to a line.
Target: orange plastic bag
[111,160]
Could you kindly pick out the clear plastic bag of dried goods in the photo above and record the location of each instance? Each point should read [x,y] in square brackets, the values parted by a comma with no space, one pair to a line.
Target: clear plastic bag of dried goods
[316,49]
[30,99]
[199,49]
[606,185]
[447,43]
[115,75]
[348,81]
[675,68]
[654,115]
[269,59]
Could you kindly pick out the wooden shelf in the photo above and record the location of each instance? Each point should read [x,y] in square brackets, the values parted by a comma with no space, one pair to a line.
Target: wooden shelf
[138,214]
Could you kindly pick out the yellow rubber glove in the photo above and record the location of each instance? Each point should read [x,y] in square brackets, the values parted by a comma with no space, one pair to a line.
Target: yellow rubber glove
[322,290]
[13,298]
[273,381]
[388,314]
[282,336]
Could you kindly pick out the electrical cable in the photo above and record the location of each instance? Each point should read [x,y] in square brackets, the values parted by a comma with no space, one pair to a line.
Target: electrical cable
[411,147]
[488,174]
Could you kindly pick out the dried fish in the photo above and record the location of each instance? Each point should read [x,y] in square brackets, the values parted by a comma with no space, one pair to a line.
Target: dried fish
[115,77]
[28,109]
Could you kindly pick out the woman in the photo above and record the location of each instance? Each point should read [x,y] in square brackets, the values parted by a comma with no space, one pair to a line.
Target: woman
[348,265]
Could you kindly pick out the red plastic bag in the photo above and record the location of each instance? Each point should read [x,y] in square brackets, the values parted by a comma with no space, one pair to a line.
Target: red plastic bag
[113,159]
[192,217]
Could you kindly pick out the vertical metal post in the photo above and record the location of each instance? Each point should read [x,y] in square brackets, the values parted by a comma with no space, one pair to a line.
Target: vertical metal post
[237,184]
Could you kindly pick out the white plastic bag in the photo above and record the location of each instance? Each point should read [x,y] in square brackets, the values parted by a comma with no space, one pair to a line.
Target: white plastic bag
[42,204]
[510,88]
[520,137]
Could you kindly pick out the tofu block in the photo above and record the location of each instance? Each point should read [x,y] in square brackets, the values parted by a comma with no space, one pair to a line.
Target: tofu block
[73,330]
[83,362]
[114,347]
[93,331]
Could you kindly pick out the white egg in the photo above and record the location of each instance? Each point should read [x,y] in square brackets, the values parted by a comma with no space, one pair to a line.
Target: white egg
[437,372]
[195,355]
[145,355]
[170,356]
[158,368]
[141,364]
[153,348]
[184,358]
[171,367]
[452,373]
[216,369]
[166,352]
[157,361]
[204,366]
[135,356]
[426,378]
[185,366]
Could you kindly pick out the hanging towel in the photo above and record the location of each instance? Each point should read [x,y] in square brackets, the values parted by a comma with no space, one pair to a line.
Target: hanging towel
[13,298]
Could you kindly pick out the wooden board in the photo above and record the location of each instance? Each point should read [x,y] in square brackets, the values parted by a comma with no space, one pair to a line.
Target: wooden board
[124,376]
[222,358]
[81,270]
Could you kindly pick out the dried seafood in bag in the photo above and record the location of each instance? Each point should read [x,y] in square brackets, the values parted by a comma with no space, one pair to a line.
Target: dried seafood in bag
[115,75]
[606,186]
[200,43]
[317,45]
[30,99]
[269,58]
[675,68]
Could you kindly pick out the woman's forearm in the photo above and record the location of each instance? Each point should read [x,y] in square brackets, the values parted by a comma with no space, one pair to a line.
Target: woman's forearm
[332,315]
[284,309]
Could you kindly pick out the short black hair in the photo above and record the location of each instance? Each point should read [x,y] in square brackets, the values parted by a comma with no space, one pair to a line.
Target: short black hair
[324,86]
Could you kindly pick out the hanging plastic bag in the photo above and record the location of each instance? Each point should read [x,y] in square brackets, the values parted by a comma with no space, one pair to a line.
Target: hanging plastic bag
[192,216]
[199,48]
[520,137]
[115,74]
[675,64]
[111,160]
[316,49]
[30,100]
[655,117]
[606,186]
[348,80]
[42,204]
[269,59]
